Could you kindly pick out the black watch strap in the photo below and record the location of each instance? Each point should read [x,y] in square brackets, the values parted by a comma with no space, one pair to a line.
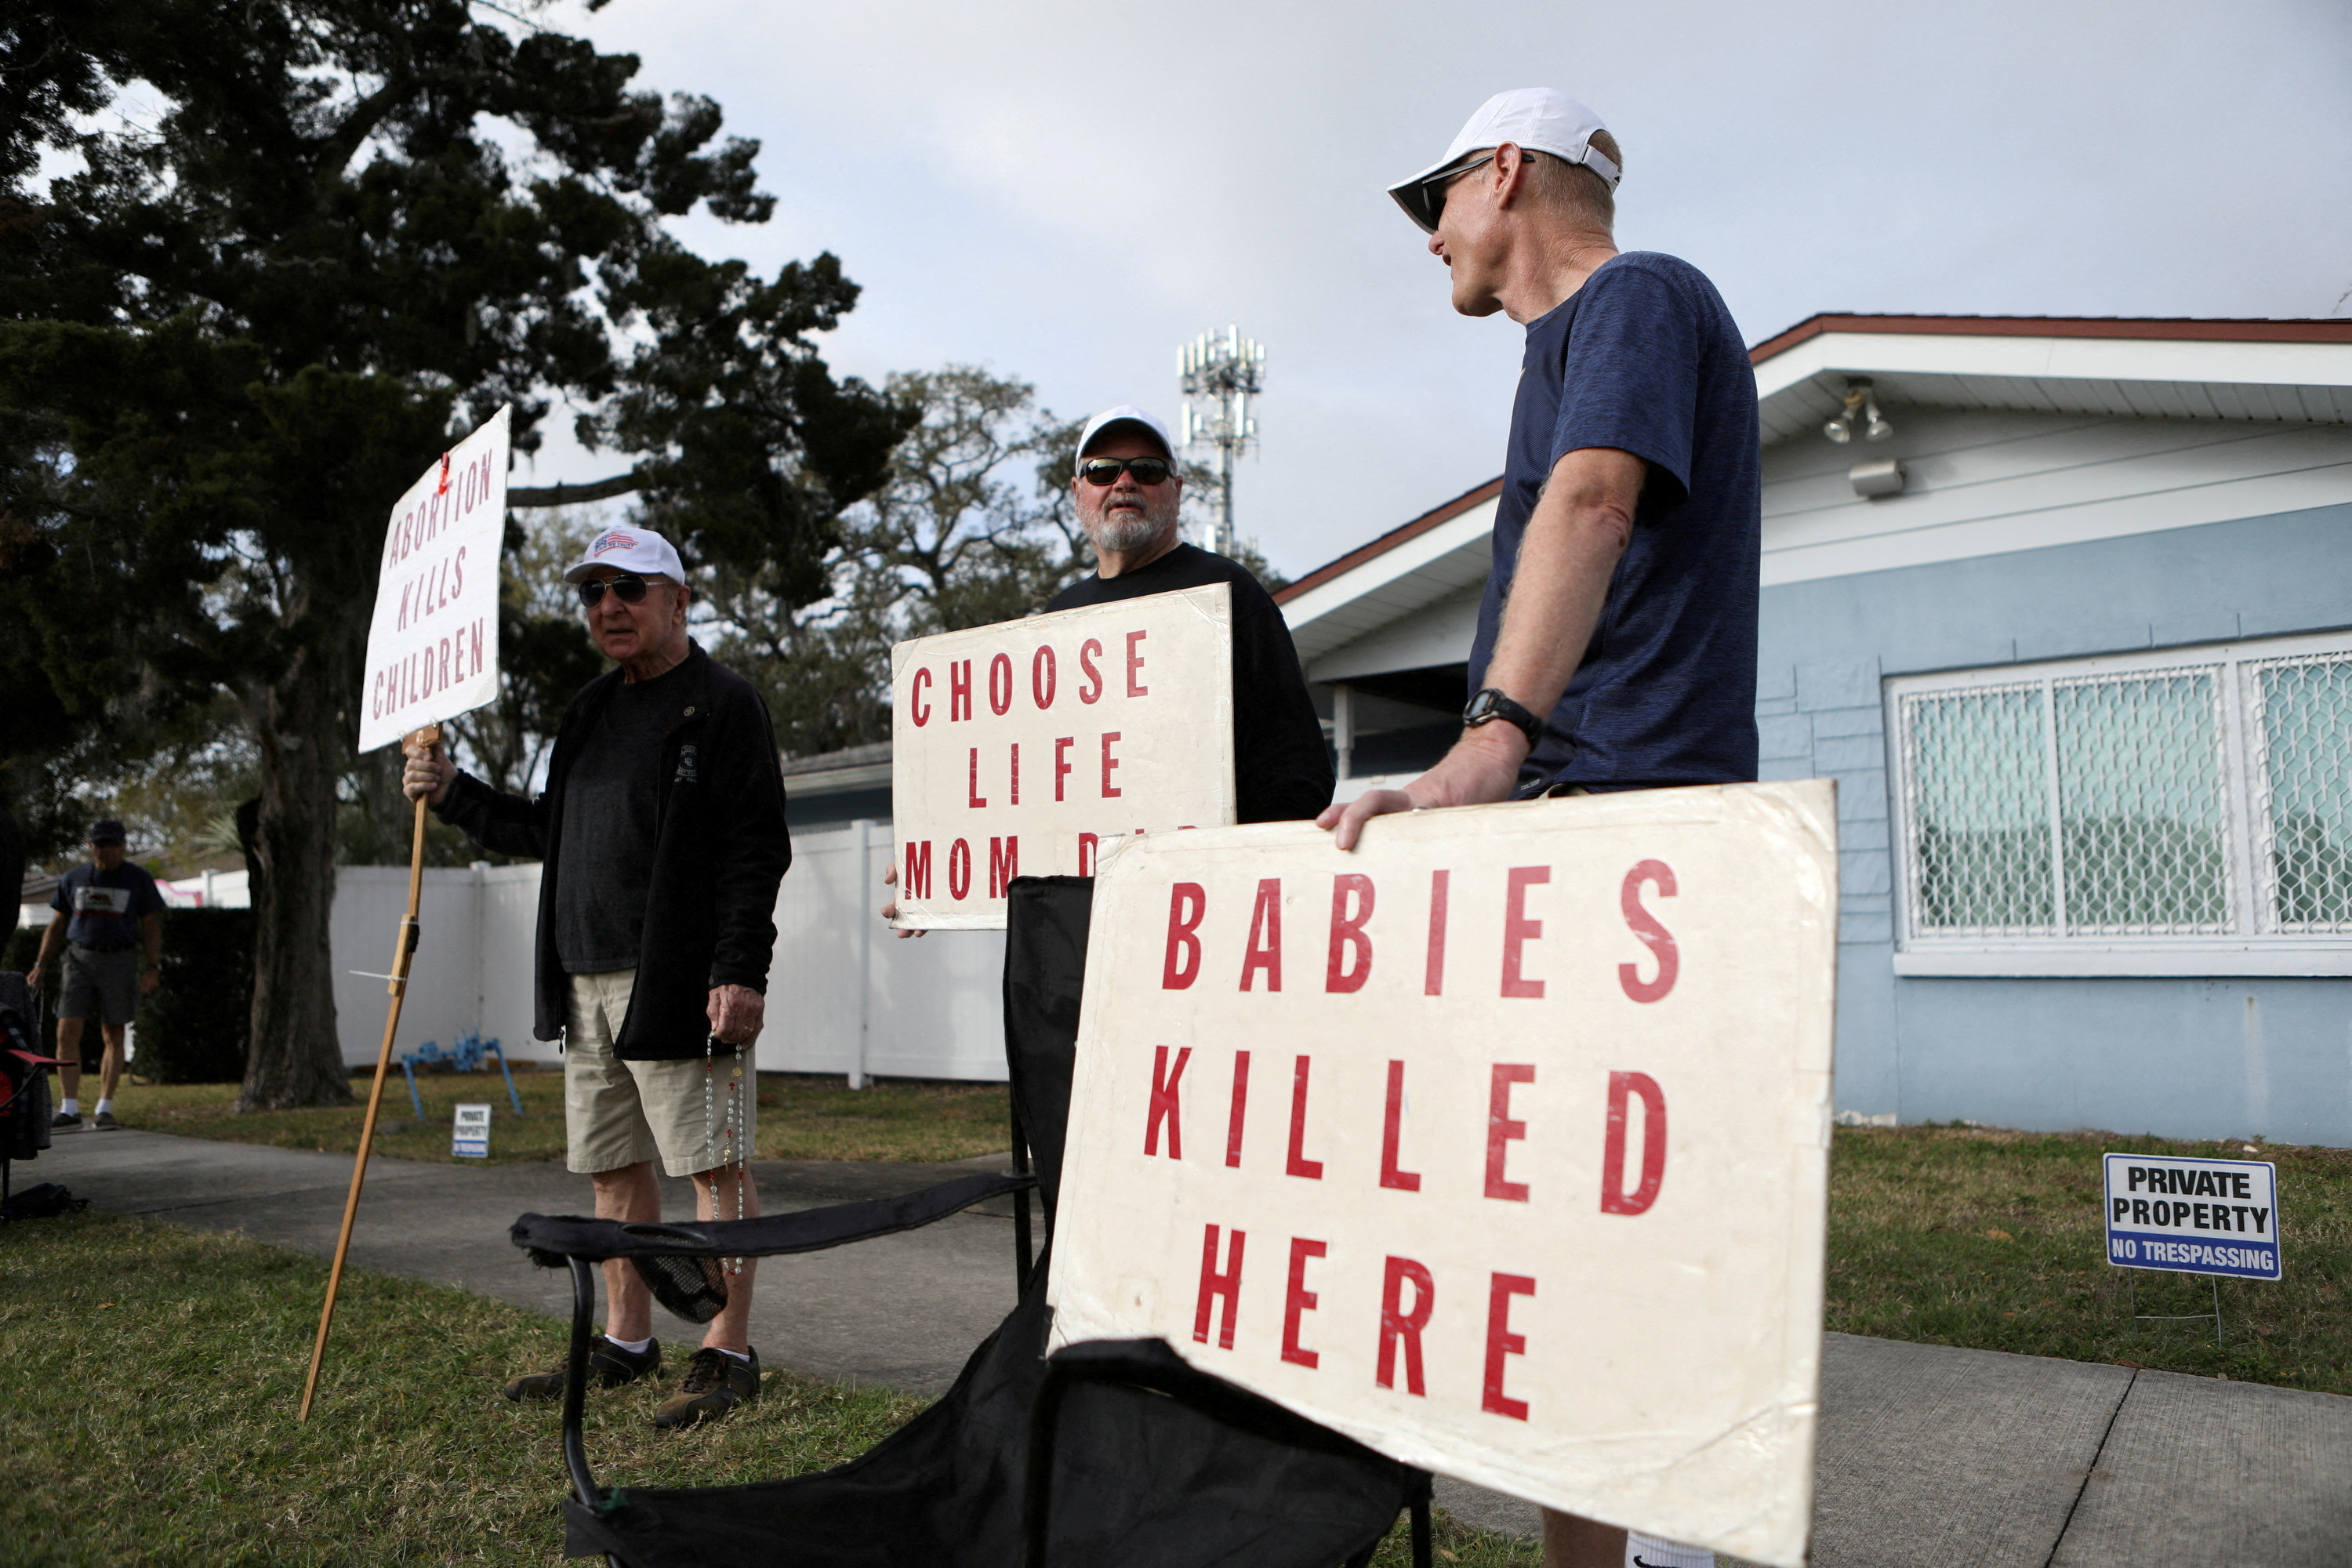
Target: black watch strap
[1489,705]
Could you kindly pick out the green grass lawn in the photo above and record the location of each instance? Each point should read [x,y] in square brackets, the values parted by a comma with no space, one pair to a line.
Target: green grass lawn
[1992,1240]
[149,1380]
[802,1117]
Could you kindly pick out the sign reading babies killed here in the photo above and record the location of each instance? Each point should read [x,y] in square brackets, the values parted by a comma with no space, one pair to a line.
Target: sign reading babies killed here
[2193,1217]
[1021,749]
[1500,1143]
[432,645]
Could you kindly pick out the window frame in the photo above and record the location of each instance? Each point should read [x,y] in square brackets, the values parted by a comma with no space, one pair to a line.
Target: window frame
[2252,945]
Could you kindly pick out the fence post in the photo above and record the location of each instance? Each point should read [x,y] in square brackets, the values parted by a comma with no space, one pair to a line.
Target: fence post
[865,948]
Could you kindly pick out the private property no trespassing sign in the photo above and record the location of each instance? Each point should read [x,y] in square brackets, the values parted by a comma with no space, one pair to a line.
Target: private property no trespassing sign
[433,642]
[1500,1144]
[1021,748]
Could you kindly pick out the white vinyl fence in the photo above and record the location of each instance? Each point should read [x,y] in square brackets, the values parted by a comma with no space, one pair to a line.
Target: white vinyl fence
[843,994]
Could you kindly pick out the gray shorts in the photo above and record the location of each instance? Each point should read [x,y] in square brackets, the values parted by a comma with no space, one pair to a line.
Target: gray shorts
[104,985]
[695,1114]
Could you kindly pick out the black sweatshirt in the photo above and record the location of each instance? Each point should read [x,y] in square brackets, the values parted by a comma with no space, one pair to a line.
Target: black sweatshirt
[721,847]
[1281,771]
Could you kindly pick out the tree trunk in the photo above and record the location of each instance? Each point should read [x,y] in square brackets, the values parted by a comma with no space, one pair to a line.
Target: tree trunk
[294,1056]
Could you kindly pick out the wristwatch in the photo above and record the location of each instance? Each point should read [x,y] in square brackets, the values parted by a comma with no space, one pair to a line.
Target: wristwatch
[1490,705]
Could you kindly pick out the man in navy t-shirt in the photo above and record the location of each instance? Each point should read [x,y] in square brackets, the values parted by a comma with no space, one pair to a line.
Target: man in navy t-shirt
[1616,644]
[109,922]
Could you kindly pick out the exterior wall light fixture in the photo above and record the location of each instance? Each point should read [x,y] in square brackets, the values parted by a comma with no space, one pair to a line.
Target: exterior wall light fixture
[1860,412]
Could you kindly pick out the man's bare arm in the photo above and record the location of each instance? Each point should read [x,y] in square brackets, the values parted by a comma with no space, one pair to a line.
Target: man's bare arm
[1574,539]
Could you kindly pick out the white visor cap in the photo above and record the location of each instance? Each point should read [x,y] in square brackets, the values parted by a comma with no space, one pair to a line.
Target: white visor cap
[638,549]
[1535,118]
[1124,413]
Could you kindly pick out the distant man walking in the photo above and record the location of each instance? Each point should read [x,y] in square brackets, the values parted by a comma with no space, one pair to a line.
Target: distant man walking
[661,839]
[1616,643]
[109,921]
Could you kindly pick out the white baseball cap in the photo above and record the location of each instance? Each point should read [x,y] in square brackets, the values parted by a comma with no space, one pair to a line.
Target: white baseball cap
[639,550]
[1124,413]
[1534,117]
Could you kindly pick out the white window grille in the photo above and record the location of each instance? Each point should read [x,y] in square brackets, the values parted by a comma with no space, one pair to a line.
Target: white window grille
[2182,812]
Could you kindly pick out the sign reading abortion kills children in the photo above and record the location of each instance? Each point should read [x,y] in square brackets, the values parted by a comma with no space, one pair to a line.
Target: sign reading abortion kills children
[1021,748]
[432,645]
[2193,1217]
[1500,1144]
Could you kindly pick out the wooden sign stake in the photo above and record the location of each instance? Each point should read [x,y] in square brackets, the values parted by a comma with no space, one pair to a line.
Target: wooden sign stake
[398,985]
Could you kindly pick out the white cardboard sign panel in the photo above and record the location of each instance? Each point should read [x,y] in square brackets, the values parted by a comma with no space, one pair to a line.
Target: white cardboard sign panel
[1021,749]
[433,644]
[1500,1144]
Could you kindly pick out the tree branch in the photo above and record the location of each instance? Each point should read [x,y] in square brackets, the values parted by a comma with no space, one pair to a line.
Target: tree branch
[526,496]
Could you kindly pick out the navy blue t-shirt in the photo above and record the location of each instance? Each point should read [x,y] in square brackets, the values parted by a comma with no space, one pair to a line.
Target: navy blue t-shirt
[106,907]
[1645,358]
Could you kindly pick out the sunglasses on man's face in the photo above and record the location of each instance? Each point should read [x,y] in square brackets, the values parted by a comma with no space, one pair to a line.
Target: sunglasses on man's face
[628,590]
[1104,473]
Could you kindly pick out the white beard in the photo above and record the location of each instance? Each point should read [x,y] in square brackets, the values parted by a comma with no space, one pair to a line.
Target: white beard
[1120,537]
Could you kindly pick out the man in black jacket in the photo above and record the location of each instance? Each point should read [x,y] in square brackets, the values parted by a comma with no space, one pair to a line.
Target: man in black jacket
[661,839]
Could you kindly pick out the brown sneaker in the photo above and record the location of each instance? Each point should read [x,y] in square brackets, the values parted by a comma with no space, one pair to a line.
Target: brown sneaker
[714,1384]
[608,1366]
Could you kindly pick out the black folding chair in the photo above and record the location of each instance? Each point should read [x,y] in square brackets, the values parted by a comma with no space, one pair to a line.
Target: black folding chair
[1111,1452]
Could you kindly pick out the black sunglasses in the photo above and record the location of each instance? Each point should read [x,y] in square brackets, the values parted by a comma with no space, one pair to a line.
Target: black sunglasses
[1105,471]
[628,590]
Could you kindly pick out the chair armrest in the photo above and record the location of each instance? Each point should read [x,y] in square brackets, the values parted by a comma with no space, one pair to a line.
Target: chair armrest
[554,1239]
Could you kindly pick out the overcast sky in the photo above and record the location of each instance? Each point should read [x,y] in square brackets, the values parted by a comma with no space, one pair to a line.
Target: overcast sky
[1065,192]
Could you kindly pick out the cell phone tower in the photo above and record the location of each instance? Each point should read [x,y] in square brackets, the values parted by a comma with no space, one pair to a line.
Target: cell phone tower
[1220,376]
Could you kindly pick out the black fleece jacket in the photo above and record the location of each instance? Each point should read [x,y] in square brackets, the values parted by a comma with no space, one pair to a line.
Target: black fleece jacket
[720,848]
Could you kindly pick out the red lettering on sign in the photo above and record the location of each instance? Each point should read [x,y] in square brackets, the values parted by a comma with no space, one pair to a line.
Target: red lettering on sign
[1399,1326]
[1298,1301]
[1214,1285]
[1000,684]
[917,709]
[959,690]
[1135,664]
[477,635]
[959,869]
[1109,763]
[1298,1163]
[1614,1198]
[1264,950]
[1089,651]
[1432,973]
[915,880]
[1044,675]
[973,797]
[1062,764]
[1186,903]
[1087,843]
[1501,1342]
[444,661]
[1349,962]
[1017,772]
[1004,864]
[1392,1125]
[1164,1105]
[1517,929]
[1234,1117]
[458,571]
[1501,1131]
[1660,940]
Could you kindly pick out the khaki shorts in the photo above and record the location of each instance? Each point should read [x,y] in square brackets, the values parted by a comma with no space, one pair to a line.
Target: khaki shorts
[689,1114]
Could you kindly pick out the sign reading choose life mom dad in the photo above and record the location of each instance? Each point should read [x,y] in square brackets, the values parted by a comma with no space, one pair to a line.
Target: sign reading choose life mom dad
[1500,1144]
[432,645]
[1021,748]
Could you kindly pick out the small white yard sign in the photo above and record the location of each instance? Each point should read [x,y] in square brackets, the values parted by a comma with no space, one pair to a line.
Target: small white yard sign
[2193,1217]
[469,1136]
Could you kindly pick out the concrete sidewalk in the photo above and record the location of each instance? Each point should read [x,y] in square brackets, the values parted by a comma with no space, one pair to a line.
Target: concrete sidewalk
[1929,1457]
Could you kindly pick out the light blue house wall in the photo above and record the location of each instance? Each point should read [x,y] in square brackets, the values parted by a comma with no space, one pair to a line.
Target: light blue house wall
[2188,1056]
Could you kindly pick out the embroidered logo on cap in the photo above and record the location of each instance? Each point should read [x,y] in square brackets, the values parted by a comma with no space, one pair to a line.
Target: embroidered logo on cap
[613,540]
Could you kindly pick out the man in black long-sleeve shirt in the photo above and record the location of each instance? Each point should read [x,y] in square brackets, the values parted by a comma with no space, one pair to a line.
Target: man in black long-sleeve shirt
[1128,492]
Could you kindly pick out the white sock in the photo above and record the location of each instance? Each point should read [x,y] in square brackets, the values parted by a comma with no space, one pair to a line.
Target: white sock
[69,1106]
[739,1355]
[1652,1552]
[635,1347]
[105,1104]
